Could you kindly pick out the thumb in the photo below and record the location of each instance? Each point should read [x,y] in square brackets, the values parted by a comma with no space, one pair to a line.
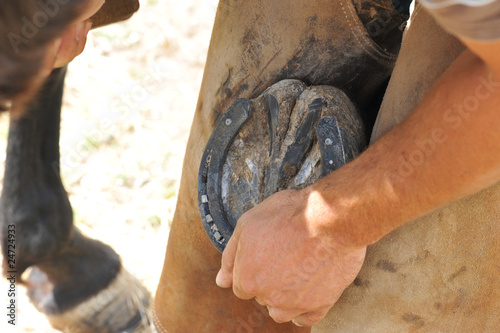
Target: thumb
[225,276]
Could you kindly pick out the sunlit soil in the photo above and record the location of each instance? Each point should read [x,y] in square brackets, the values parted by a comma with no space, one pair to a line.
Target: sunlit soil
[128,106]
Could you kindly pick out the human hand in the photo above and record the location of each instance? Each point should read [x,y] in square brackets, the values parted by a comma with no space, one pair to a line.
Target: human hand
[279,255]
[28,59]
[72,41]
[70,45]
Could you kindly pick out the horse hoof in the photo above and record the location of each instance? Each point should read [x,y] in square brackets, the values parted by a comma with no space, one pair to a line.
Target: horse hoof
[124,306]
[288,137]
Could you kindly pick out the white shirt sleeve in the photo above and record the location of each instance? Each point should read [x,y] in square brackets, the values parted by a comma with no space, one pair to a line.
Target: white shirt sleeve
[471,19]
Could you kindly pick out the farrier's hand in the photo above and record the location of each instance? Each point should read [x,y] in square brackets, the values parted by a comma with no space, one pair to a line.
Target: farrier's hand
[70,45]
[72,41]
[278,255]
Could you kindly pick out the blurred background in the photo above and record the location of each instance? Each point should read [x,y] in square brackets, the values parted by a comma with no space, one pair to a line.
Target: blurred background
[128,105]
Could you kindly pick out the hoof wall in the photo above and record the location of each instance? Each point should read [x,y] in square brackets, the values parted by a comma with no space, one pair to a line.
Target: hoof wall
[124,306]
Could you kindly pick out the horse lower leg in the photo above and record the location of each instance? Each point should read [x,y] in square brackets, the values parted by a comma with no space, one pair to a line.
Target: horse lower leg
[69,268]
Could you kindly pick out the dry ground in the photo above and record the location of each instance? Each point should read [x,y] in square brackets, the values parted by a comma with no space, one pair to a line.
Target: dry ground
[128,106]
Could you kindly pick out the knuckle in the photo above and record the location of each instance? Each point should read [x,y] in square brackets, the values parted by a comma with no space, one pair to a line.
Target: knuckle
[260,301]
[248,286]
[311,318]
[279,315]
[276,300]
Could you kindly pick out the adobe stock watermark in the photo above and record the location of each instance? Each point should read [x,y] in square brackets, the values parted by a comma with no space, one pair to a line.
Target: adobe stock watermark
[32,25]
[453,117]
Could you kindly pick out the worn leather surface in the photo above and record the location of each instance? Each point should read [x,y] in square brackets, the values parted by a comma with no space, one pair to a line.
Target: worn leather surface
[114,11]
[439,273]
[254,45]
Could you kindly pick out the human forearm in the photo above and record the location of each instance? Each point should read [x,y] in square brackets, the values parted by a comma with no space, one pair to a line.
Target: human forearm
[446,149]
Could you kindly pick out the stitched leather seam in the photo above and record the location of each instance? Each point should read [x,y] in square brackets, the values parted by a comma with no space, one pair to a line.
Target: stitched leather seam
[158,323]
[367,45]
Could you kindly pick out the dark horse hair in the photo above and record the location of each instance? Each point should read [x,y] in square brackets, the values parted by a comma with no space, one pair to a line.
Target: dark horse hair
[26,29]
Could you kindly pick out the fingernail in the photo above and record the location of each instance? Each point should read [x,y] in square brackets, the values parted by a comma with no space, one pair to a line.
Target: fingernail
[88,26]
[219,278]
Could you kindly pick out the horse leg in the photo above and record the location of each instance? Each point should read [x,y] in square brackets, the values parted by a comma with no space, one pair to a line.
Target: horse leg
[78,282]
[254,45]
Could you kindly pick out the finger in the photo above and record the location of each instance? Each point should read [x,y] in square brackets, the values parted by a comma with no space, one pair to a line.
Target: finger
[73,43]
[50,57]
[310,318]
[260,301]
[244,289]
[244,283]
[282,315]
[68,46]
[83,39]
[225,276]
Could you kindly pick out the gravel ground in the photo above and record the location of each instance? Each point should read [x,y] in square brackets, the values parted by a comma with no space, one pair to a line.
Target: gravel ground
[128,106]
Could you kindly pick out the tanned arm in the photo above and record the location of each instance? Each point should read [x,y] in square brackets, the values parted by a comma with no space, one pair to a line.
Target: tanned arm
[297,251]
[448,148]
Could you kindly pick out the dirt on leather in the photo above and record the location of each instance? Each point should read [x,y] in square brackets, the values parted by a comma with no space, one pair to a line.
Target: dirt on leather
[128,106]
